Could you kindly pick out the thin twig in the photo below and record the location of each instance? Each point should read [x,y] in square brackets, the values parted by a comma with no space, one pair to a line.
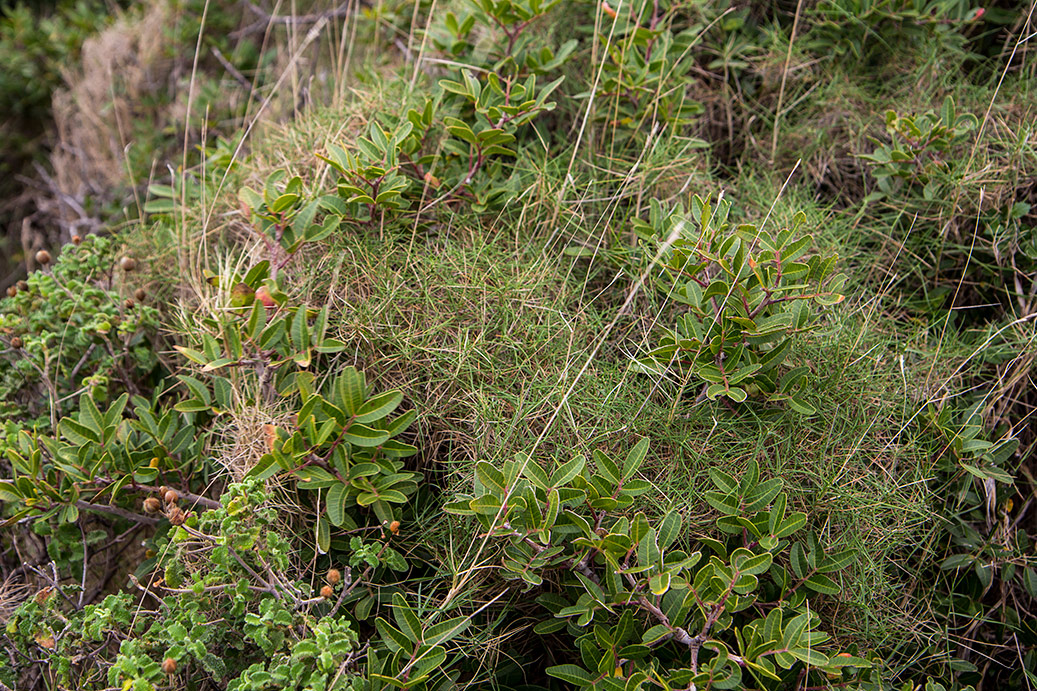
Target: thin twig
[231,69]
[115,511]
[265,20]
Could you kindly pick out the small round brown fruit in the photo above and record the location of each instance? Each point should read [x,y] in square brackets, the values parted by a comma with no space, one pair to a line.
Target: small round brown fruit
[175,515]
[169,666]
[43,257]
[77,239]
[129,303]
[327,591]
[16,343]
[139,294]
[12,291]
[23,286]
[394,527]
[334,576]
[128,263]
[171,496]
[162,490]
[152,505]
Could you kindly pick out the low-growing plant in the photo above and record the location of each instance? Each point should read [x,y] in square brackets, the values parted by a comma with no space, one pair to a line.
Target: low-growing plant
[378,174]
[749,294]
[102,462]
[968,444]
[450,147]
[863,30]
[341,442]
[921,148]
[519,55]
[225,560]
[75,325]
[229,564]
[285,217]
[987,554]
[422,159]
[645,50]
[643,604]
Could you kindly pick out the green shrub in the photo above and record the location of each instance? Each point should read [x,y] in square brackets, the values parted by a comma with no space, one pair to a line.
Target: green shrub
[921,150]
[647,49]
[987,556]
[77,328]
[643,605]
[272,631]
[872,31]
[749,293]
[229,560]
[922,173]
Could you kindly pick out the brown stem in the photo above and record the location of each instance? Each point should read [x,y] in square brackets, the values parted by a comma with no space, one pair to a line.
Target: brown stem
[267,20]
[678,634]
[115,511]
[363,577]
[194,499]
[209,538]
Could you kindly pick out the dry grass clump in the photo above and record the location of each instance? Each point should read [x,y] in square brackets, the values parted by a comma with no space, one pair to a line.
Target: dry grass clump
[12,593]
[121,68]
[245,437]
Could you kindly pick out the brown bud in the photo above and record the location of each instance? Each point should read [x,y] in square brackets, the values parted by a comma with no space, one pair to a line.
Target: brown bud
[12,291]
[327,591]
[175,515]
[23,286]
[128,263]
[76,239]
[152,505]
[43,257]
[16,343]
[139,294]
[394,527]
[129,303]
[334,576]
[171,496]
[162,490]
[168,666]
